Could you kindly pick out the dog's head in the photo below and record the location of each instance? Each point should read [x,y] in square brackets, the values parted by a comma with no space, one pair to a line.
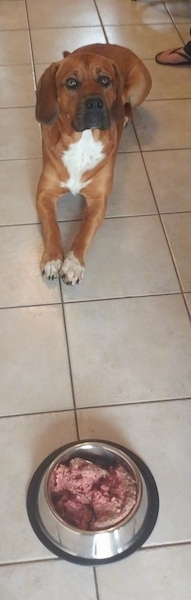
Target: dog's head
[85,88]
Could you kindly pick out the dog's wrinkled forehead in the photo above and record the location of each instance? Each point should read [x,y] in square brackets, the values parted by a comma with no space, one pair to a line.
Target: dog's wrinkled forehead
[84,65]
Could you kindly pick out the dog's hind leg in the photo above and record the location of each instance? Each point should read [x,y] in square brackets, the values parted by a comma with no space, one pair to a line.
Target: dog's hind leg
[136,89]
[128,116]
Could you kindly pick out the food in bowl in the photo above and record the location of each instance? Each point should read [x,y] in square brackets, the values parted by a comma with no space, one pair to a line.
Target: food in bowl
[89,496]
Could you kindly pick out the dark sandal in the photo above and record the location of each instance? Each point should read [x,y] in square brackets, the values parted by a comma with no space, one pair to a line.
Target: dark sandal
[186,61]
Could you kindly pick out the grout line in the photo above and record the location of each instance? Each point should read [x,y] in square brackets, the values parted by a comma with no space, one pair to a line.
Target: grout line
[70,365]
[61,411]
[96,583]
[13,30]
[131,297]
[91,300]
[20,158]
[30,561]
[107,218]
[21,306]
[152,150]
[101,22]
[19,107]
[31,46]
[166,545]
[30,29]
[170,100]
[138,403]
[109,406]
[63,27]
[186,305]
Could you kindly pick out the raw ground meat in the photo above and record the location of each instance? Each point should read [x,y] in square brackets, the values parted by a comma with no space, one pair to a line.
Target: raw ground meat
[90,497]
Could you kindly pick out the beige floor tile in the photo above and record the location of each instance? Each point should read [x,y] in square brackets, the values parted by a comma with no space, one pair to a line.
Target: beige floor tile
[161,573]
[134,350]
[14,47]
[47,579]
[159,432]
[13,15]
[178,230]
[141,262]
[188,301]
[144,40]
[130,195]
[34,366]
[48,44]
[163,125]
[18,202]
[25,442]
[168,83]
[170,175]
[21,282]
[61,13]
[128,142]
[125,12]
[40,68]
[20,134]
[179,11]
[17,86]
[184,31]
[70,207]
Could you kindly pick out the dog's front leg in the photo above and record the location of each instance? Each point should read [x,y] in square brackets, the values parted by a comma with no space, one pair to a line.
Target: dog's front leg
[73,268]
[52,257]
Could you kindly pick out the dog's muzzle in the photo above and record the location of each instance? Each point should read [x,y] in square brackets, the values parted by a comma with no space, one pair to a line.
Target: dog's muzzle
[92,114]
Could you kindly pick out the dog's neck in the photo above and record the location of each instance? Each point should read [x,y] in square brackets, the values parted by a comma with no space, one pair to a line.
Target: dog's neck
[60,135]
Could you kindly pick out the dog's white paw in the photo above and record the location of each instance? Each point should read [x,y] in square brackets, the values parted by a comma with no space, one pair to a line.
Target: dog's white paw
[72,271]
[51,269]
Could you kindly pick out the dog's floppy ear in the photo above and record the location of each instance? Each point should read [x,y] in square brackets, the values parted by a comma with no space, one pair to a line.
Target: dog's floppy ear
[118,78]
[117,108]
[47,108]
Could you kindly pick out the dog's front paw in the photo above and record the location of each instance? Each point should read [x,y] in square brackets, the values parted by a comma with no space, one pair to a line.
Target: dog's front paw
[72,271]
[51,268]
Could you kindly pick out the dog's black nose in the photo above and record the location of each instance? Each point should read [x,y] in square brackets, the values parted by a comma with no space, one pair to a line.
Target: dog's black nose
[94,103]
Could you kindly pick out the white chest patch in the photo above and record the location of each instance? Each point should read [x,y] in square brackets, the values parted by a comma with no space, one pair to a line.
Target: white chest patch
[79,158]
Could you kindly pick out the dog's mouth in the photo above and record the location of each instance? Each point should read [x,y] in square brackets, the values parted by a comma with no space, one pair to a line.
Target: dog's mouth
[92,114]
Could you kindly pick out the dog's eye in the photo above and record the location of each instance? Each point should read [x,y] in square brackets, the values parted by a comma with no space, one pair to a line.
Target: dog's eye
[105,81]
[71,83]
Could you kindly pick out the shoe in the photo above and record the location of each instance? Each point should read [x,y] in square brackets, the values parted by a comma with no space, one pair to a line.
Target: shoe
[173,57]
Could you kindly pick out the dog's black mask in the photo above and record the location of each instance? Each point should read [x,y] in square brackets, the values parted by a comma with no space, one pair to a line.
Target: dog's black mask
[92,114]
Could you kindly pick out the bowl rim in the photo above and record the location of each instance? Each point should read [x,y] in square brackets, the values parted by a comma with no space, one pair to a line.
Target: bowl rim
[140,539]
[119,454]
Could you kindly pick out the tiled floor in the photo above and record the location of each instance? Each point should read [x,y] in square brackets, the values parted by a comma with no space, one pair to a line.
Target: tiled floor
[112,356]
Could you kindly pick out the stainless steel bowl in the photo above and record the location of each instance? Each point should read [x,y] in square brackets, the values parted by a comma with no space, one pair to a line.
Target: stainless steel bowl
[101,546]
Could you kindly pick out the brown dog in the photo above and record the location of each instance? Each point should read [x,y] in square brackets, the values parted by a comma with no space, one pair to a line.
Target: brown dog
[82,102]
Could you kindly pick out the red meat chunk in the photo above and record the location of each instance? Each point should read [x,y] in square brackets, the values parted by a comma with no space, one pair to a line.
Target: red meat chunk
[90,497]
